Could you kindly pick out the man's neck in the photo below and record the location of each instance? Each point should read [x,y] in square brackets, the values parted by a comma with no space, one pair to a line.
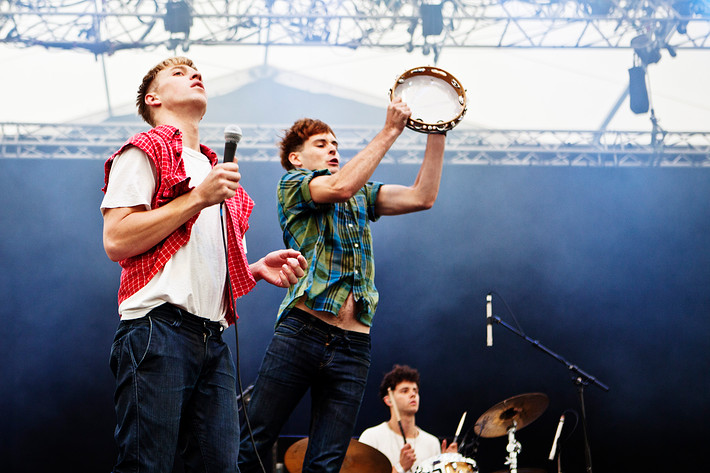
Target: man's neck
[189,128]
[408,424]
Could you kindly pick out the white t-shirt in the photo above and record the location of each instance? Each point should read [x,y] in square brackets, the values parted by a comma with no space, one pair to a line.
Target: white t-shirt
[390,443]
[194,278]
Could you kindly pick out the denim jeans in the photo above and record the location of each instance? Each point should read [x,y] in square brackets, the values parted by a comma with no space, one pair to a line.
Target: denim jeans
[304,353]
[175,391]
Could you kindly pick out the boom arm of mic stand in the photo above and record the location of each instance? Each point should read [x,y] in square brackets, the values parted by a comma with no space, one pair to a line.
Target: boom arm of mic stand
[581,379]
[585,377]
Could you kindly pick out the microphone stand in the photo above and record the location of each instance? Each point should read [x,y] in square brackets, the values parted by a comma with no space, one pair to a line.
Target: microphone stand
[580,378]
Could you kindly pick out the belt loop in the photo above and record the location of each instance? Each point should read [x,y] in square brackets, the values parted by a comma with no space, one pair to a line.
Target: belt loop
[179,316]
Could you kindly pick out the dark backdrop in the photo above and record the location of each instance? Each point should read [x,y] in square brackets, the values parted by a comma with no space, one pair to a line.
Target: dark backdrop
[607,267]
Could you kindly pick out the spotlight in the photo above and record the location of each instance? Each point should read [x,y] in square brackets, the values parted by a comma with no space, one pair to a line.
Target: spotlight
[638,94]
[646,49]
[600,7]
[683,9]
[432,19]
[178,17]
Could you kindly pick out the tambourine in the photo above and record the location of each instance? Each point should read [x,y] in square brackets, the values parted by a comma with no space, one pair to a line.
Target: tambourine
[436,98]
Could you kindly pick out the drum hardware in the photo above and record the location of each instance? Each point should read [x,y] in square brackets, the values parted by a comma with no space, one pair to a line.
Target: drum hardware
[514,447]
[447,463]
[509,416]
[359,458]
[436,98]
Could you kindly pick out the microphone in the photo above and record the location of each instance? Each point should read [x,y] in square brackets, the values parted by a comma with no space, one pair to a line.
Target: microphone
[489,315]
[557,437]
[232,135]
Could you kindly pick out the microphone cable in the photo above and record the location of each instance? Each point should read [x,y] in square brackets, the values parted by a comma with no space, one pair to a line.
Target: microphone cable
[512,314]
[222,217]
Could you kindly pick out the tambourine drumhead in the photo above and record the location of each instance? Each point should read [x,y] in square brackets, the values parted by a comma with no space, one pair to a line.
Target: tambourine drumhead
[436,98]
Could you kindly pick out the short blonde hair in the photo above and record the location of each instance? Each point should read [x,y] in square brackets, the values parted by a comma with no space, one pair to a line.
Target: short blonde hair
[144,110]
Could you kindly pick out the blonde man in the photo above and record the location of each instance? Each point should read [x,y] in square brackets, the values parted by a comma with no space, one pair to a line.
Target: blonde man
[175,378]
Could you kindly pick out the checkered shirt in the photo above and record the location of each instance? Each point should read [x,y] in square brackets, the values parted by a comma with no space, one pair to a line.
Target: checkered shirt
[163,145]
[335,239]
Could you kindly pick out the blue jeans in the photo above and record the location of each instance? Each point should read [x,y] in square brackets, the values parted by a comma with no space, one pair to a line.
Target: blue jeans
[304,353]
[175,391]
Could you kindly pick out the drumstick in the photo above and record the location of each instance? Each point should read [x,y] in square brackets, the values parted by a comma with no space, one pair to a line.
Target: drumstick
[458,429]
[396,413]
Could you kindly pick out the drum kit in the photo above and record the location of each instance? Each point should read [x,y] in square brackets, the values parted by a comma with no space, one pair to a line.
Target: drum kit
[359,458]
[505,418]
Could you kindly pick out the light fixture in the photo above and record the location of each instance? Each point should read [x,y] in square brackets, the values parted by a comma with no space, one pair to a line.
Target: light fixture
[646,49]
[432,19]
[600,7]
[638,93]
[178,17]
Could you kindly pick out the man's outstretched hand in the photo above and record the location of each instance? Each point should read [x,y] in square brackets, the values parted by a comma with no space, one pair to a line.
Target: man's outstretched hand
[282,268]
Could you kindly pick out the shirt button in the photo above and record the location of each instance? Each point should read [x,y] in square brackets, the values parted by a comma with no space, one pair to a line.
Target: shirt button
[357,272]
[350,225]
[357,246]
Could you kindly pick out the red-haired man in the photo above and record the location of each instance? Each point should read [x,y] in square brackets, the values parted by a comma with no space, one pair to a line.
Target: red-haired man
[322,339]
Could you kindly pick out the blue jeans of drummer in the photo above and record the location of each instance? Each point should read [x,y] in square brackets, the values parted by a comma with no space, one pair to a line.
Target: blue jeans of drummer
[175,392]
[304,353]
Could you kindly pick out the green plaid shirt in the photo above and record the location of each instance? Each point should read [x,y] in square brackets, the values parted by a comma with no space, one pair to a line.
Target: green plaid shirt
[336,241]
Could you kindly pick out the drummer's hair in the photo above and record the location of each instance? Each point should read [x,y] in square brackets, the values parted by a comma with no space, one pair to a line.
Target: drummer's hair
[398,374]
[298,134]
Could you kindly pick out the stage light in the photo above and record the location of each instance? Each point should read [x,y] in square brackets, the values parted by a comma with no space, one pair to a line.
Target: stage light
[638,94]
[432,19]
[600,7]
[646,49]
[178,17]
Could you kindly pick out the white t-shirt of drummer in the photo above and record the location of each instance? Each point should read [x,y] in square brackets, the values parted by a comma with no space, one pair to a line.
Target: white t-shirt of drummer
[390,443]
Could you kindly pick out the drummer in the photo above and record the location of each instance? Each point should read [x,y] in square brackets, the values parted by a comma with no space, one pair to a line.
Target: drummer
[322,337]
[387,436]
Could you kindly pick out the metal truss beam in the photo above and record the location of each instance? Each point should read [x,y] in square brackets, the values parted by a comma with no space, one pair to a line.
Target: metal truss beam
[108,26]
[464,146]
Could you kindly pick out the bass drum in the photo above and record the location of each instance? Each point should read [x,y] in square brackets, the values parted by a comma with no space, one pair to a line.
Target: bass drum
[447,463]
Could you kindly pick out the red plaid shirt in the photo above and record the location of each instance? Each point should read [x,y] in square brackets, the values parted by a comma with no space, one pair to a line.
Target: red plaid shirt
[163,145]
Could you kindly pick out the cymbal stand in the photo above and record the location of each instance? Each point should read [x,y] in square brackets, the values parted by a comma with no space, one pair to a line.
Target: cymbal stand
[514,447]
[579,377]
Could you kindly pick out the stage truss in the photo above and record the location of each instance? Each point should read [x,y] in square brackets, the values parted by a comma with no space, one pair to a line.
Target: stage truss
[463,146]
[105,27]
[108,26]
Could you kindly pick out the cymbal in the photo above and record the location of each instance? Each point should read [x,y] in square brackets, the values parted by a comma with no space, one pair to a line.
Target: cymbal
[359,458]
[518,410]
